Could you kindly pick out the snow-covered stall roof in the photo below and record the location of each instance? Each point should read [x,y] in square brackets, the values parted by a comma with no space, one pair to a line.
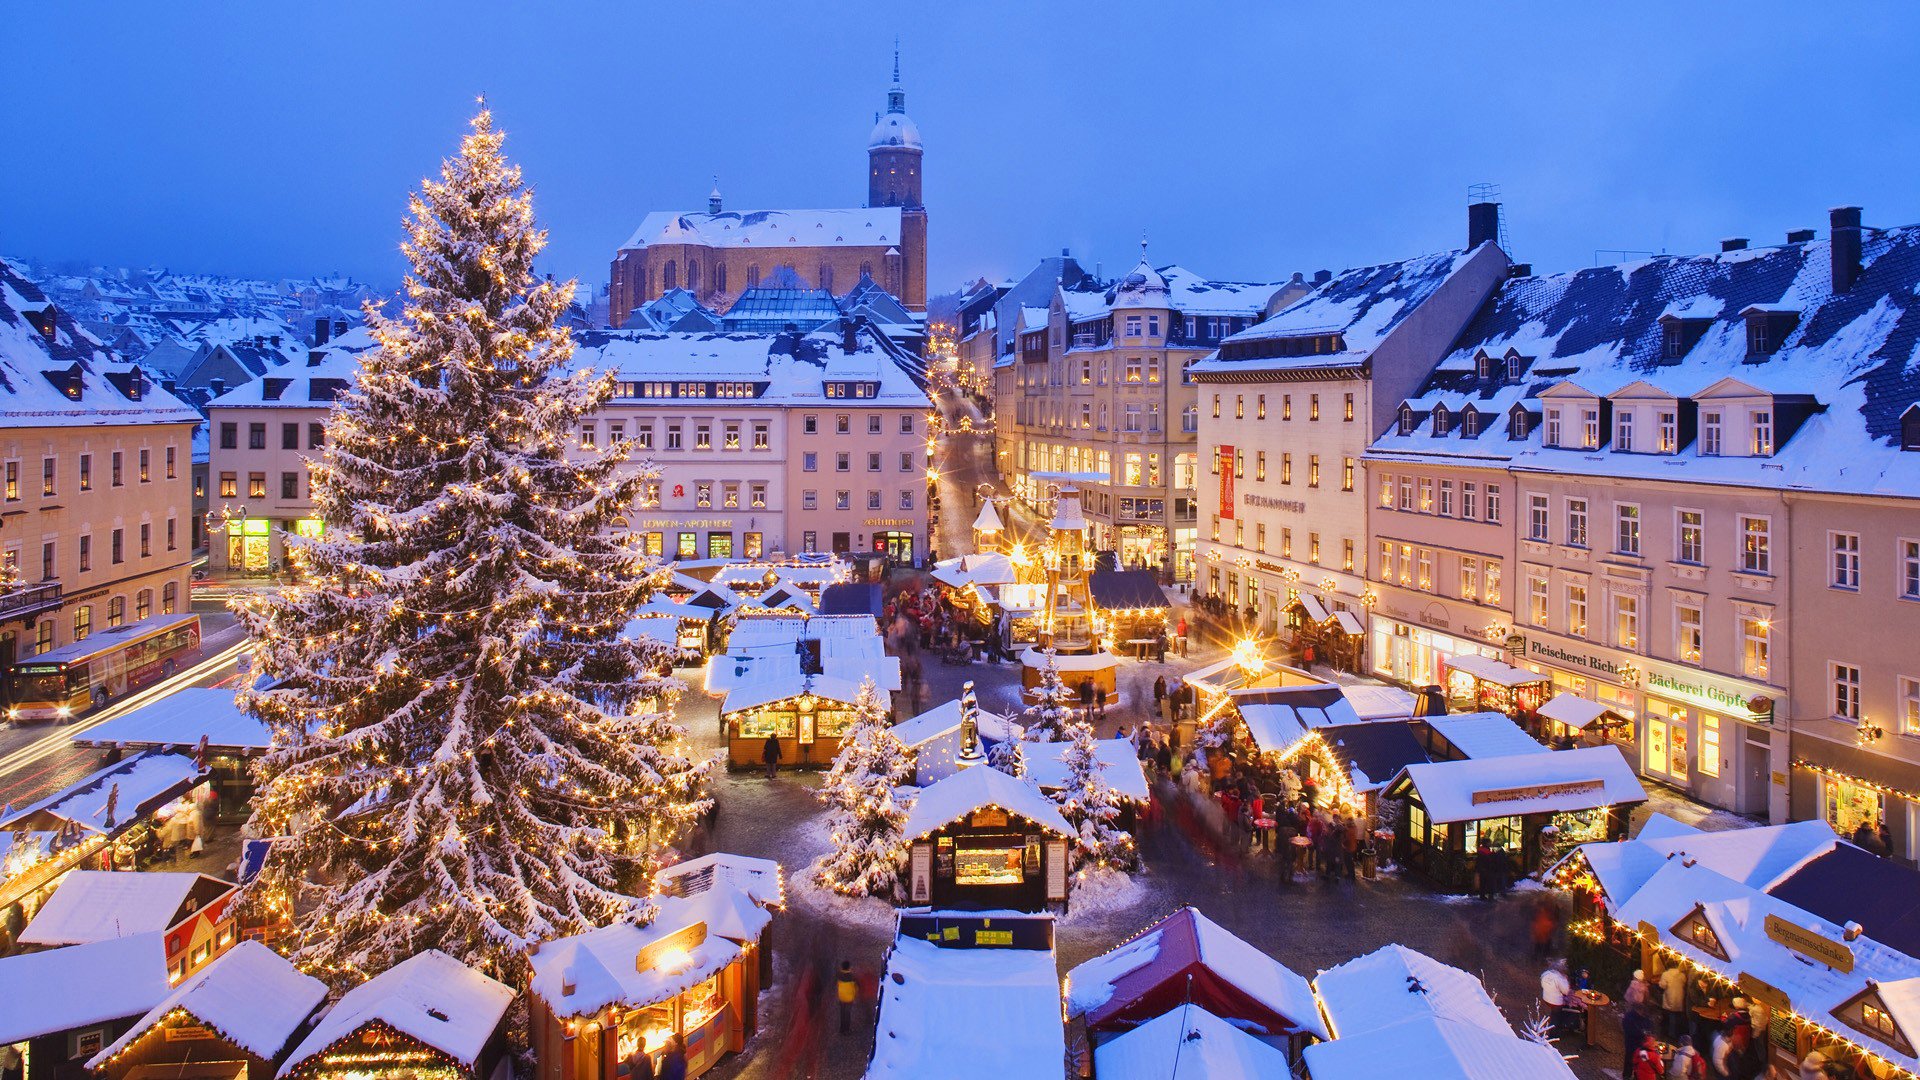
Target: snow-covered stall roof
[62,989]
[1485,734]
[991,568]
[1561,780]
[859,227]
[660,605]
[250,995]
[580,975]
[968,1013]
[1393,984]
[1246,985]
[955,797]
[1279,717]
[1188,1041]
[761,692]
[430,996]
[759,879]
[180,720]
[1494,671]
[136,786]
[1119,764]
[1758,857]
[1438,1049]
[944,719]
[94,905]
[660,629]
[1573,710]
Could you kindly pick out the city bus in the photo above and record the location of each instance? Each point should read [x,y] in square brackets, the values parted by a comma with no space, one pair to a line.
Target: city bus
[63,683]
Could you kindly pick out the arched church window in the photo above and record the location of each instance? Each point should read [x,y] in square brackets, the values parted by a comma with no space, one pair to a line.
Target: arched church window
[669,276]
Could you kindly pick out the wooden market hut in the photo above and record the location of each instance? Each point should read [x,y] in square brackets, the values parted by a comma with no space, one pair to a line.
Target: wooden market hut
[694,973]
[1479,682]
[984,841]
[969,995]
[194,912]
[807,713]
[1134,606]
[429,1017]
[66,1005]
[204,722]
[1526,805]
[234,1020]
[1187,957]
[1571,716]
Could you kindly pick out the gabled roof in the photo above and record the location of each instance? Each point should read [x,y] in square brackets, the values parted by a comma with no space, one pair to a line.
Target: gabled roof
[961,1014]
[953,798]
[135,786]
[94,905]
[1441,1049]
[182,719]
[1580,779]
[1187,954]
[1188,1042]
[55,374]
[429,996]
[1393,984]
[870,227]
[250,995]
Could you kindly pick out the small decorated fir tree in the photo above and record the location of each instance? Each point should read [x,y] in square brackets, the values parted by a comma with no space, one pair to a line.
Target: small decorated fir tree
[865,812]
[1090,805]
[466,754]
[1052,710]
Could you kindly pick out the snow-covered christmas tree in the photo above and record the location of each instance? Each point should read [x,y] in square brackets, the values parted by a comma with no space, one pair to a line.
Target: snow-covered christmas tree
[865,812]
[466,754]
[1052,710]
[1090,805]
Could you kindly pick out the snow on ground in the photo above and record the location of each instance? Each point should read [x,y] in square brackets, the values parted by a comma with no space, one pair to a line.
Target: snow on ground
[805,892]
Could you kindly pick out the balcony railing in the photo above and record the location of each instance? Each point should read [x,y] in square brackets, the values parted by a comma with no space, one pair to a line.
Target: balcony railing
[29,600]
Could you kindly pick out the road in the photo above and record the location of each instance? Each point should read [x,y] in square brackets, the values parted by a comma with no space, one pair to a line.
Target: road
[37,760]
[965,461]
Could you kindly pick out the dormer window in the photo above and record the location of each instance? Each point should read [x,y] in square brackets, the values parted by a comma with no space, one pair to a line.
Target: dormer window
[1513,367]
[1553,427]
[1711,431]
[1519,423]
[1442,420]
[1673,341]
[1590,428]
[1488,367]
[1910,428]
[1763,433]
[1470,423]
[1406,420]
[1759,341]
[1767,327]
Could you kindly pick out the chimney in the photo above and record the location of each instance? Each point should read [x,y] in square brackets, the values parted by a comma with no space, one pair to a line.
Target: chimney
[314,356]
[1321,277]
[1483,224]
[1845,221]
[1734,243]
[849,333]
[1520,270]
[1799,236]
[322,330]
[217,386]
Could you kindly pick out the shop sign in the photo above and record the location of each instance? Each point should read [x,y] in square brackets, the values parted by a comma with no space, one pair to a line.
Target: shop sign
[989,817]
[1702,692]
[883,522]
[1056,870]
[1589,661]
[1226,481]
[1764,992]
[685,939]
[1268,502]
[922,873]
[187,1033]
[1660,678]
[1810,944]
[683,523]
[1537,791]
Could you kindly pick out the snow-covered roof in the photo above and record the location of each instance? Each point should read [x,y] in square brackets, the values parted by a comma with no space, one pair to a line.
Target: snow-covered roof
[1757,857]
[82,985]
[1853,355]
[135,786]
[660,629]
[1393,984]
[877,226]
[968,1013]
[943,718]
[1498,672]
[1188,1041]
[55,374]
[894,129]
[782,369]
[1119,764]
[1363,306]
[759,879]
[1572,710]
[1443,1050]
[1102,988]
[94,905]
[580,975]
[1376,702]
[951,799]
[430,996]
[1485,735]
[250,995]
[1578,779]
[761,692]
[181,719]
[301,385]
[990,568]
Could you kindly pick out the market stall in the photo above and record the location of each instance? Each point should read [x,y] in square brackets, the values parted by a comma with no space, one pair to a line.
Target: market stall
[429,1017]
[1132,610]
[65,1005]
[1526,807]
[206,723]
[693,976]
[982,840]
[934,738]
[235,1020]
[1478,682]
[1569,716]
[807,714]
[966,996]
[194,911]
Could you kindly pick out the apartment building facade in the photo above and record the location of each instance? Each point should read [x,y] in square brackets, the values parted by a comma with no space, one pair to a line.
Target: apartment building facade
[96,462]
[1287,410]
[1699,460]
[1102,397]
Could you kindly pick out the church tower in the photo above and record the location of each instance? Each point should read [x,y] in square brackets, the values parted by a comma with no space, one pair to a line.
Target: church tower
[893,179]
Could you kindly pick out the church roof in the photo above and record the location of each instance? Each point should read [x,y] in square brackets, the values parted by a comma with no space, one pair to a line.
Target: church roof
[894,129]
[860,227]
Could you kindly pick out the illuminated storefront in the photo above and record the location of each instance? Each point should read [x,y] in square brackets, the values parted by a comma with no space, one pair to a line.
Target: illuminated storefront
[807,717]
[982,840]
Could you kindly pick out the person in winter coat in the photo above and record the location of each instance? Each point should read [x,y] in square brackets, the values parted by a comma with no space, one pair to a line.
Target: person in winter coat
[1687,1064]
[847,990]
[1637,991]
[1159,692]
[1636,1027]
[640,1064]
[1673,1001]
[1646,1060]
[673,1064]
[770,755]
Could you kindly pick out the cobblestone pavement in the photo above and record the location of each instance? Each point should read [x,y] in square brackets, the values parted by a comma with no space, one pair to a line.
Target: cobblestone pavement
[1308,926]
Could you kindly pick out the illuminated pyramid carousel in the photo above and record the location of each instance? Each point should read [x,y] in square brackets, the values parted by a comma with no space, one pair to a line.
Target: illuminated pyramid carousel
[1070,624]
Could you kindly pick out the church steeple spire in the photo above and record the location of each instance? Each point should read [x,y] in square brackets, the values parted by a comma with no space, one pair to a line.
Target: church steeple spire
[897,94]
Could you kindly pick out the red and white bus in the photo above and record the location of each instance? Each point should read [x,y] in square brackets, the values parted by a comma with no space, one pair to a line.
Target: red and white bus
[65,682]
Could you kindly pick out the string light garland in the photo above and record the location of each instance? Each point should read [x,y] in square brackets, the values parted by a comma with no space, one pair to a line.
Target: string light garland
[1856,781]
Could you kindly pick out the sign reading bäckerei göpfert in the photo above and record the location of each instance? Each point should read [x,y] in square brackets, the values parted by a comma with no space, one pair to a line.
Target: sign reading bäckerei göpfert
[1660,678]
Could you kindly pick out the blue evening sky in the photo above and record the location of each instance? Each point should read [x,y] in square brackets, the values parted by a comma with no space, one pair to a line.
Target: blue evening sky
[1244,140]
